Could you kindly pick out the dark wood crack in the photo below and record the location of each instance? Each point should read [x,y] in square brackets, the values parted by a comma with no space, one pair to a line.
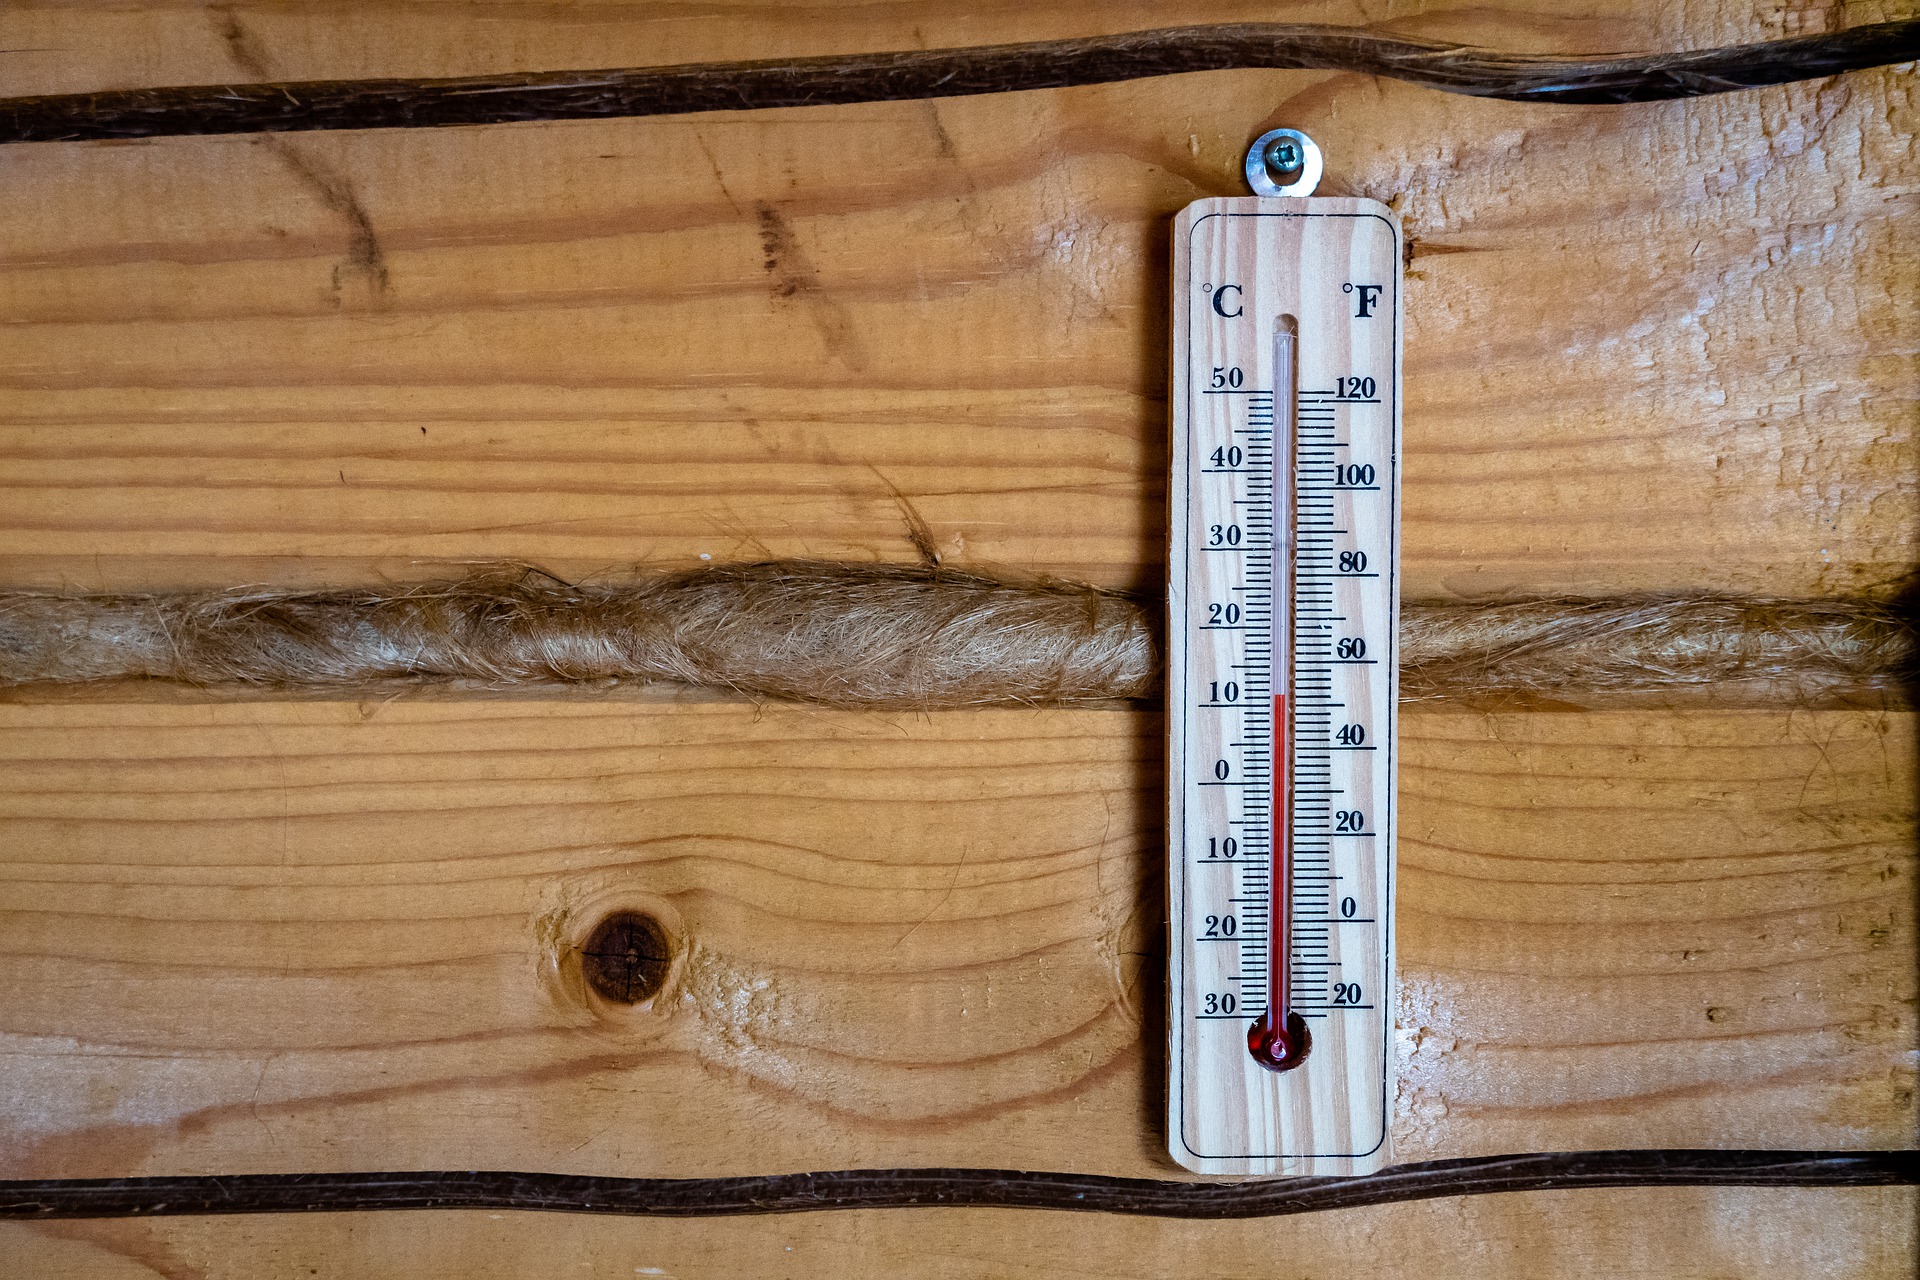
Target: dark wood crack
[943,73]
[974,1188]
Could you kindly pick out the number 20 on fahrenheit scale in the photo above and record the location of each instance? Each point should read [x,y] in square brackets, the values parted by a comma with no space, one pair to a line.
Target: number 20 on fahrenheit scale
[1283,599]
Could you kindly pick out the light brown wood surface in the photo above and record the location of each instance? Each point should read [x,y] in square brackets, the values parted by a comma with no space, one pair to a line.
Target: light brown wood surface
[1583,1233]
[267,937]
[1663,346]
[1660,346]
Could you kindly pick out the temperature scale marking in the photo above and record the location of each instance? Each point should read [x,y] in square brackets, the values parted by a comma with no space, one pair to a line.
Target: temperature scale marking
[1283,601]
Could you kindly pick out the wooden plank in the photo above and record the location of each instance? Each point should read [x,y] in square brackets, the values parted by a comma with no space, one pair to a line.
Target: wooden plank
[263,937]
[1866,1234]
[65,48]
[156,42]
[330,358]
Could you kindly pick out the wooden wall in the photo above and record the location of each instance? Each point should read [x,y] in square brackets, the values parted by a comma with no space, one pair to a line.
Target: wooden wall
[1666,346]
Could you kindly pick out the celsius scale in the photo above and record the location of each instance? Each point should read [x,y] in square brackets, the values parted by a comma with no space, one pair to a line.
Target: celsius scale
[1283,602]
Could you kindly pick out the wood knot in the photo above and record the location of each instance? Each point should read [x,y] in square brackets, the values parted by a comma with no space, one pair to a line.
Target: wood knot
[627,957]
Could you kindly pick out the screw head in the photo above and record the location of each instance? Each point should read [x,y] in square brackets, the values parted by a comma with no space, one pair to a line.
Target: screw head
[1284,155]
[1283,162]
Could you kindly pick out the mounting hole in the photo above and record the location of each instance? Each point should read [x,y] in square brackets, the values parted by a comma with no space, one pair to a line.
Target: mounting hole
[627,957]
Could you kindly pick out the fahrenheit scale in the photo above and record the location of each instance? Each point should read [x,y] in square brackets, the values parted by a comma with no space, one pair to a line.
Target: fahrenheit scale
[1284,603]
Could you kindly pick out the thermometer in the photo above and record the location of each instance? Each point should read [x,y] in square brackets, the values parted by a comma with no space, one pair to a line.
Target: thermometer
[1283,603]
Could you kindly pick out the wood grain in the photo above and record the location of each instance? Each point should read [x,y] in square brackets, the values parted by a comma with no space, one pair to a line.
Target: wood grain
[1664,346]
[1865,1233]
[327,359]
[284,937]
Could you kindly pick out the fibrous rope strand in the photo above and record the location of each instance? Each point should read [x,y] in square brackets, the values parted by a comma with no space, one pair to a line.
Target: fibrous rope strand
[872,635]
[520,97]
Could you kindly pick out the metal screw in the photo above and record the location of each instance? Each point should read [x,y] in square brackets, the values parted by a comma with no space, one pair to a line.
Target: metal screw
[1284,156]
[1283,162]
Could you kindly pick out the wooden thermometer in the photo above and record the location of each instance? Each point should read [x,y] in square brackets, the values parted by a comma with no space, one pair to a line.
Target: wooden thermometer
[1283,599]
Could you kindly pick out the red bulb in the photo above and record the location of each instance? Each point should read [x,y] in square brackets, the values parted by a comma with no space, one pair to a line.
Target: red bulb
[1279,1050]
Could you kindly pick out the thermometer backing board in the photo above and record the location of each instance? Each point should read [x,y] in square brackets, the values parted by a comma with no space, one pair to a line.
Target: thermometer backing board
[1283,604]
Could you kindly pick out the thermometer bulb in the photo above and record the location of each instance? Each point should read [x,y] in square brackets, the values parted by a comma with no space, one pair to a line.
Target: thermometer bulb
[1279,1050]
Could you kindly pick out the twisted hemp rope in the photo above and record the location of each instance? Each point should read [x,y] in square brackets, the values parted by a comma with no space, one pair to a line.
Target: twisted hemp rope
[875,635]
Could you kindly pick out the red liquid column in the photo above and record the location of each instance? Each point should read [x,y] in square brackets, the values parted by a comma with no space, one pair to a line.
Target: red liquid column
[1278,1039]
